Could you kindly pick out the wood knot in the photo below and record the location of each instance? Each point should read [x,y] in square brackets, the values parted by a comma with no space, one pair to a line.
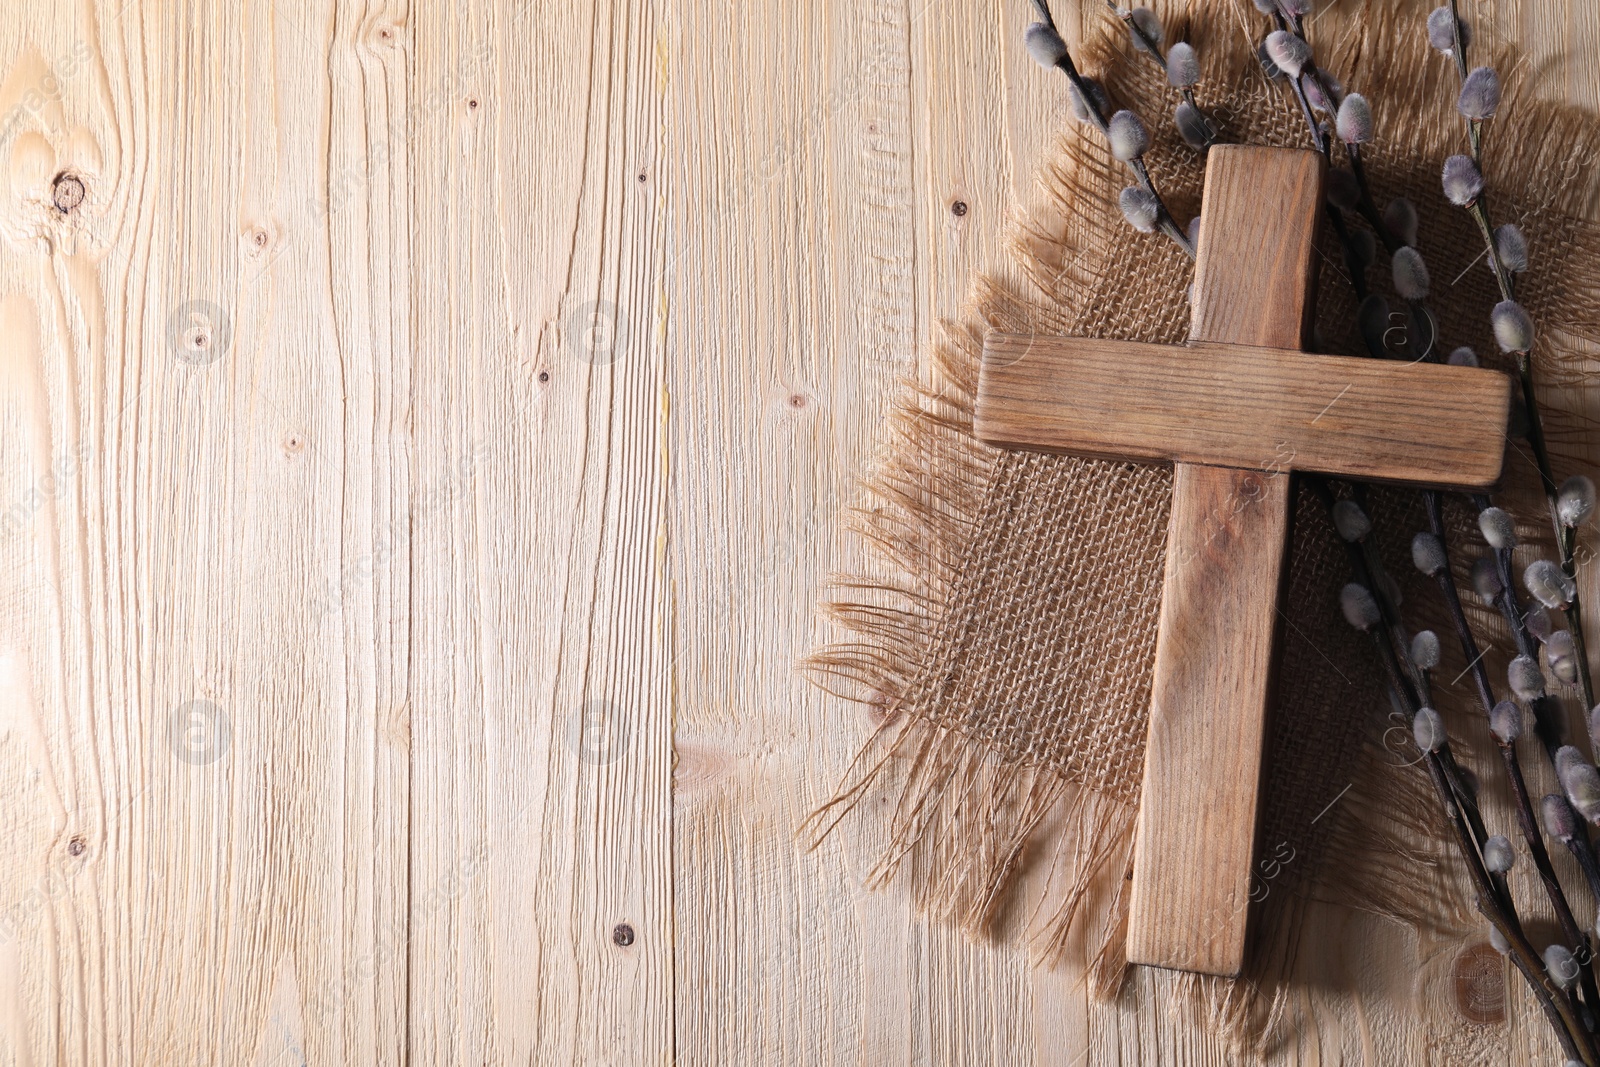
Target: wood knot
[76,846]
[67,191]
[882,708]
[379,38]
[199,331]
[622,934]
[958,208]
[1478,978]
[257,240]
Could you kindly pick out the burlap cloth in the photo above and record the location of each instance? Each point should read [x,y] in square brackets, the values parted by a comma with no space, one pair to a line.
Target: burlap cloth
[1004,638]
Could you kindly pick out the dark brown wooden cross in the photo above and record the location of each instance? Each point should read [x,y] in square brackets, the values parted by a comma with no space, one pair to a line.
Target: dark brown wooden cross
[1235,411]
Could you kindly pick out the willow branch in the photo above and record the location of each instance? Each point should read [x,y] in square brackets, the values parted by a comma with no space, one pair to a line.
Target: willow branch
[1091,104]
[1527,820]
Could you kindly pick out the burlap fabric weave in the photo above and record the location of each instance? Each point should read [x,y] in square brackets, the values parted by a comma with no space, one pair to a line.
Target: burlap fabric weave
[1005,640]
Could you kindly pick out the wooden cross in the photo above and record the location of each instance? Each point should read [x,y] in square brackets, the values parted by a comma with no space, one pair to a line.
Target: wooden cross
[1235,411]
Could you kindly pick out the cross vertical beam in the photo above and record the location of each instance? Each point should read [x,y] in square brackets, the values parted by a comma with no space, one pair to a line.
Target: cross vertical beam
[1226,542]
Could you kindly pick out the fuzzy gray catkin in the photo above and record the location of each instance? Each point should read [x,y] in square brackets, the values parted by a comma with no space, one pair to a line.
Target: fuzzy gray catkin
[1192,125]
[1411,279]
[1462,181]
[1128,136]
[1498,856]
[1575,500]
[1582,784]
[1140,208]
[1505,719]
[1486,579]
[1401,218]
[1183,65]
[1354,123]
[1525,678]
[1442,30]
[1045,45]
[1289,52]
[1428,555]
[1497,528]
[1311,85]
[1513,329]
[1149,24]
[1427,729]
[1511,247]
[1342,189]
[1549,584]
[1537,620]
[1480,94]
[1359,607]
[1560,821]
[1350,521]
[1561,965]
[1561,656]
[1425,649]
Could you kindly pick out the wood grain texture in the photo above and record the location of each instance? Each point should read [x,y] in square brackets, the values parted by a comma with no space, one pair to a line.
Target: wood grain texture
[335,641]
[1210,693]
[540,709]
[399,565]
[1256,261]
[1255,408]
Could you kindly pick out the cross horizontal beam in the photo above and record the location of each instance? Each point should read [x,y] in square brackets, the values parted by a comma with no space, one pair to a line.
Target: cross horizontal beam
[1254,408]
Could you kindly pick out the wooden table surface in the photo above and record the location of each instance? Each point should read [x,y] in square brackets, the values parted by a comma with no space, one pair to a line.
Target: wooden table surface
[420,451]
